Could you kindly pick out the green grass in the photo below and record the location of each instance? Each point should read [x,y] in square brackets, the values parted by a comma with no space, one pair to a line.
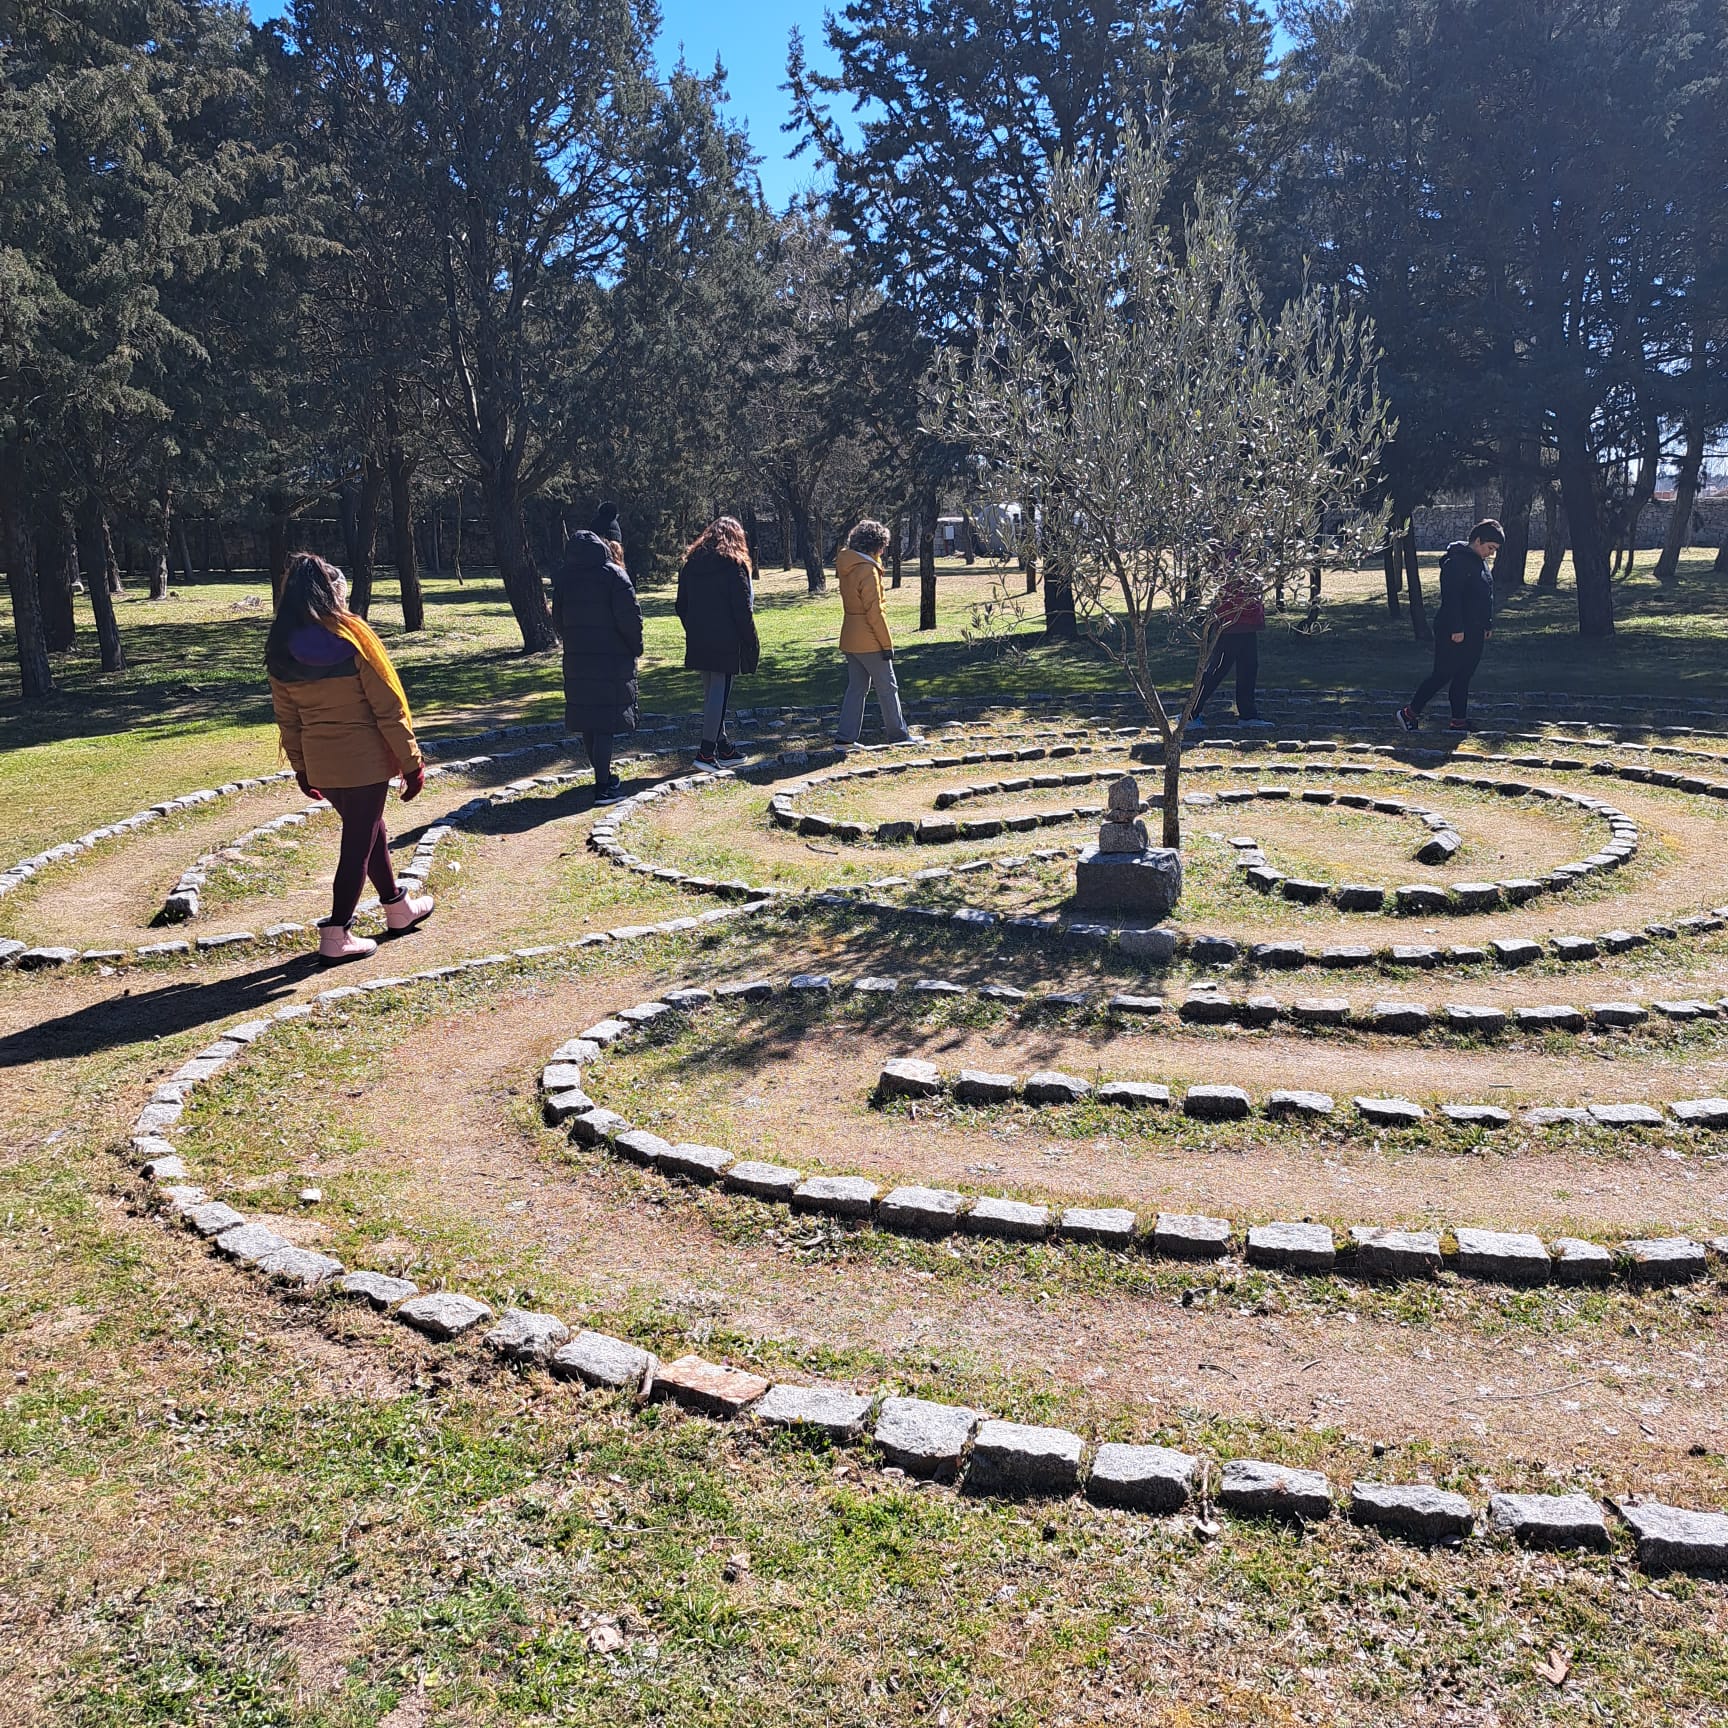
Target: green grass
[217,1506]
[193,707]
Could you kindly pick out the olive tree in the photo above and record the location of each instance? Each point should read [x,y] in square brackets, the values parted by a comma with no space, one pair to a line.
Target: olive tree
[1182,440]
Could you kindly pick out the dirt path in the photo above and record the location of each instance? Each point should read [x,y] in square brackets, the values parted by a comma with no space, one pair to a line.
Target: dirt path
[1570,1390]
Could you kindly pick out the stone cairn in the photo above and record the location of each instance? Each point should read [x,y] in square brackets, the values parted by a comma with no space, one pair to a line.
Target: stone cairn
[1125,872]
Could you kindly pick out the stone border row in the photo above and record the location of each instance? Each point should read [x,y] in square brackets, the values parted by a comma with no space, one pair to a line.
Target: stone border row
[1416,899]
[1207,1004]
[1152,943]
[48,956]
[51,957]
[984,1454]
[553,736]
[911,1077]
[920,1209]
[1420,899]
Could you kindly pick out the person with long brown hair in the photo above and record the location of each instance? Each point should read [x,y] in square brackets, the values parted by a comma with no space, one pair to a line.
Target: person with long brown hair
[716,605]
[347,729]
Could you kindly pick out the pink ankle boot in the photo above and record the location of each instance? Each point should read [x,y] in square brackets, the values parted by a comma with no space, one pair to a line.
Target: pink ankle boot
[401,916]
[336,942]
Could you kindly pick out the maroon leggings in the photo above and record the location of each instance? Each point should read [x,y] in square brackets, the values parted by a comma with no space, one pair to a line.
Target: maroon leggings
[365,847]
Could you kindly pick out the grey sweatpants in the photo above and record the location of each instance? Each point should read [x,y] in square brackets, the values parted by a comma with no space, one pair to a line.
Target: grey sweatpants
[864,673]
[716,689]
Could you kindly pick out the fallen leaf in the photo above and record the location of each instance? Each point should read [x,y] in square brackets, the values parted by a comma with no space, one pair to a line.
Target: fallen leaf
[605,1638]
[1556,1668]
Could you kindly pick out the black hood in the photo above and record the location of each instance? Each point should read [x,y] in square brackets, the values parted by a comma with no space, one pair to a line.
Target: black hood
[586,551]
[605,523]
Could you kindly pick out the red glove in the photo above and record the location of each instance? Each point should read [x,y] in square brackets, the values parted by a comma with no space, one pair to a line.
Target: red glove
[306,785]
[413,783]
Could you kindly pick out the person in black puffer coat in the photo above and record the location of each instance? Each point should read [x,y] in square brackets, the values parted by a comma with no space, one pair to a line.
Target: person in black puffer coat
[1462,625]
[716,605]
[596,612]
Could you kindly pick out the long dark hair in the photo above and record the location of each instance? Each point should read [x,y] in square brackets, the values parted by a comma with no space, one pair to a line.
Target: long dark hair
[311,590]
[725,535]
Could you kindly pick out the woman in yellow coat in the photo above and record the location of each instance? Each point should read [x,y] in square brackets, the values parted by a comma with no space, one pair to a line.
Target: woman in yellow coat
[864,638]
[346,728]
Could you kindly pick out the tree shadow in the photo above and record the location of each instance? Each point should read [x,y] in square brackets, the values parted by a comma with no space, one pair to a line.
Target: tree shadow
[134,1017]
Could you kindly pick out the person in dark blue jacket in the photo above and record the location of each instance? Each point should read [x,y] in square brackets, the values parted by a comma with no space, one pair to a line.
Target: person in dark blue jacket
[596,612]
[1462,625]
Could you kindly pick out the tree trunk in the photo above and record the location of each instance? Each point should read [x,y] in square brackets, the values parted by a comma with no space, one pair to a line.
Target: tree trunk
[223,552]
[1720,566]
[1590,552]
[1061,624]
[1171,827]
[36,676]
[1553,536]
[54,564]
[1685,497]
[783,519]
[276,547]
[161,525]
[968,538]
[804,527]
[1517,491]
[896,550]
[456,542]
[1029,544]
[360,532]
[522,584]
[183,550]
[97,551]
[815,544]
[927,561]
[1413,582]
[1393,562]
[402,540]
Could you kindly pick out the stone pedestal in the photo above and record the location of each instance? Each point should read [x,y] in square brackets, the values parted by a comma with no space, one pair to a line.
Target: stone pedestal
[1145,883]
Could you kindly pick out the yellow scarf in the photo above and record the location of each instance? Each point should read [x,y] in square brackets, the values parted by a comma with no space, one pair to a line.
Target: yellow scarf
[364,638]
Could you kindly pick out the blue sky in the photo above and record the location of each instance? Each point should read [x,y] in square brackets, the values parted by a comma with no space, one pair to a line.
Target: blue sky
[750,39]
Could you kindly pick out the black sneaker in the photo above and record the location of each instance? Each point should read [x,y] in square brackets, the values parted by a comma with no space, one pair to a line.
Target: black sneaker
[611,793]
[1457,725]
[706,762]
[1410,721]
[727,751]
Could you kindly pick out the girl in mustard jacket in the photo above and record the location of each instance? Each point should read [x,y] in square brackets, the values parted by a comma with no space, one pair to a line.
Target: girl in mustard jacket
[347,730]
[864,638]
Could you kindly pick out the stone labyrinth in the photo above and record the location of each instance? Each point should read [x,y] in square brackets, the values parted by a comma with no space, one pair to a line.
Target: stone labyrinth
[1384,1180]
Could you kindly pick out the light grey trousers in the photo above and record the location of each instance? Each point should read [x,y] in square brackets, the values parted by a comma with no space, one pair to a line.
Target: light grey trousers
[864,673]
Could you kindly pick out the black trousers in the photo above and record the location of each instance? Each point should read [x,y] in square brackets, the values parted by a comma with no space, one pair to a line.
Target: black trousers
[1241,649]
[599,748]
[1455,663]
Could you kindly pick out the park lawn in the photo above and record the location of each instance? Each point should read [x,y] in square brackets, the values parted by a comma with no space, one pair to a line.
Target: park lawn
[193,707]
[224,1508]
[218,1507]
